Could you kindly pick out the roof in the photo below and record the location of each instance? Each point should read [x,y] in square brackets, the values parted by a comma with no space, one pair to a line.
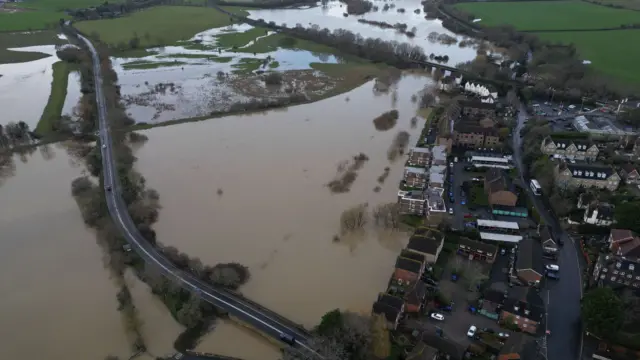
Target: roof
[497,180]
[468,127]
[422,351]
[390,313]
[629,248]
[447,346]
[412,255]
[477,105]
[408,265]
[584,171]
[628,168]
[545,234]
[605,211]
[530,306]
[421,150]
[416,295]
[496,292]
[416,170]
[515,344]
[499,224]
[477,245]
[440,152]
[621,235]
[390,300]
[529,256]
[500,237]
[425,244]
[563,142]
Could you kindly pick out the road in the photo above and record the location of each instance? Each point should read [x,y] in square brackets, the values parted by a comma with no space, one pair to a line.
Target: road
[563,300]
[249,312]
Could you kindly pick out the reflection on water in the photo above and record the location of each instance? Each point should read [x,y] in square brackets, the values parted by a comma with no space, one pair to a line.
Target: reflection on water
[73,93]
[25,87]
[276,214]
[331,17]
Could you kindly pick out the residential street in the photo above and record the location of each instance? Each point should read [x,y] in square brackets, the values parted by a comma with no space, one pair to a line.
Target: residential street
[563,308]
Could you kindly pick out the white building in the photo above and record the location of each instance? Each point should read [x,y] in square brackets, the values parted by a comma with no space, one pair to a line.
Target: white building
[506,231]
[600,214]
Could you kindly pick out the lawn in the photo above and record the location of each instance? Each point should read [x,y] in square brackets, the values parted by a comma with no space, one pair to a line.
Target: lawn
[14,40]
[53,109]
[549,15]
[605,50]
[158,26]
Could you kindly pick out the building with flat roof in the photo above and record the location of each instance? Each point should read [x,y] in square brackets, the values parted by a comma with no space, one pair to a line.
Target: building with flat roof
[419,157]
[493,230]
[601,126]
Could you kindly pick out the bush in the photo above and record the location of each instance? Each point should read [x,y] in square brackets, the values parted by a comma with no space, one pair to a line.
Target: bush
[273,78]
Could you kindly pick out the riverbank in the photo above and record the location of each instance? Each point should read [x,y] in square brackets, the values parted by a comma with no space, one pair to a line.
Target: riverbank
[53,109]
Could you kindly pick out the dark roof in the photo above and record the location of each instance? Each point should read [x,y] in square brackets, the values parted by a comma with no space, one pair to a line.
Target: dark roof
[495,294]
[477,104]
[628,168]
[529,256]
[477,245]
[545,234]
[422,351]
[390,300]
[581,144]
[516,342]
[584,171]
[610,264]
[468,127]
[447,346]
[389,313]
[498,181]
[530,302]
[408,264]
[413,256]
[605,211]
[423,244]
[416,295]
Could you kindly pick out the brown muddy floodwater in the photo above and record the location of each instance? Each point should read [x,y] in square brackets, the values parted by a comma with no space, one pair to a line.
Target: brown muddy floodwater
[275,214]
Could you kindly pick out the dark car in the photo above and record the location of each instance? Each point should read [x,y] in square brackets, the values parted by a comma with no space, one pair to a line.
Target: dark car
[553,275]
[289,339]
[108,188]
[560,242]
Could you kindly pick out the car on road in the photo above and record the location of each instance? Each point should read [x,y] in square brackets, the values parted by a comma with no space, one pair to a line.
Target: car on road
[289,339]
[437,316]
[503,251]
[450,164]
[472,331]
[451,210]
[108,188]
[104,146]
[553,275]
[552,267]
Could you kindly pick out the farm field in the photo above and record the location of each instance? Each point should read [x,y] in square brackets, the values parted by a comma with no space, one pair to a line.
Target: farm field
[602,49]
[157,26]
[550,15]
[38,14]
[16,40]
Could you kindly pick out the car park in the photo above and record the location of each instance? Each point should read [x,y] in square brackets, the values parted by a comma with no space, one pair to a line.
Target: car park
[437,316]
[472,331]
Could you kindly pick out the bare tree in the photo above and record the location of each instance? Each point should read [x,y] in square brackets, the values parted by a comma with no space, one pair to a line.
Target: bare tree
[354,218]
[387,215]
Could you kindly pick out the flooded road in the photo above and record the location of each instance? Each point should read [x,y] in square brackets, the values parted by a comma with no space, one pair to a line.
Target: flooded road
[25,87]
[276,214]
[56,294]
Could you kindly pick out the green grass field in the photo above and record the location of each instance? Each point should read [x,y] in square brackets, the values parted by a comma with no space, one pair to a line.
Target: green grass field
[14,40]
[157,26]
[611,52]
[53,109]
[549,15]
[39,14]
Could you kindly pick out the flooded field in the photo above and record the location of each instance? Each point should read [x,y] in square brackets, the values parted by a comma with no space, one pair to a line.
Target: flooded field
[73,93]
[252,189]
[25,87]
[56,293]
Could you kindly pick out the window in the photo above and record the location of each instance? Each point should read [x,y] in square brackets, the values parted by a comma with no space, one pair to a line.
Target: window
[615,272]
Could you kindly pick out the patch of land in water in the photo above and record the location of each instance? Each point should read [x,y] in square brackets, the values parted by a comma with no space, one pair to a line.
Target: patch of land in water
[25,39]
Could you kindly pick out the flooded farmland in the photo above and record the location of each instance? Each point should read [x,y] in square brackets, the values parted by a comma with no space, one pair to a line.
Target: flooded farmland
[252,189]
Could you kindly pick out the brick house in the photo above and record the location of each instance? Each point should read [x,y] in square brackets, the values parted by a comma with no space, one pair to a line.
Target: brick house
[524,307]
[407,270]
[528,267]
[499,188]
[475,136]
[415,177]
[415,297]
[412,202]
[477,250]
[579,149]
[629,174]
[576,175]
[390,313]
[624,243]
[430,245]
[419,157]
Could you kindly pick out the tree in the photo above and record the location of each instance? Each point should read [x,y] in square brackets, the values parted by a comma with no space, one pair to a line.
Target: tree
[330,323]
[353,218]
[190,314]
[602,312]
[626,215]
[387,215]
[381,344]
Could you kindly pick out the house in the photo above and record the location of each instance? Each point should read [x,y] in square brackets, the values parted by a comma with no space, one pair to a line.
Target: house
[391,314]
[447,348]
[407,270]
[415,257]
[439,155]
[624,243]
[435,202]
[415,177]
[447,83]
[629,174]
[412,202]
[419,157]
[423,351]
[478,109]
[528,265]
[499,188]
[415,297]
[524,308]
[436,176]
[474,135]
[616,272]
[569,175]
[430,244]
[600,214]
[549,245]
[392,301]
[477,250]
[579,149]
[519,346]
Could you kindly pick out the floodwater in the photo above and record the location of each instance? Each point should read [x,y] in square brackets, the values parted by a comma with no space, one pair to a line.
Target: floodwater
[73,93]
[25,87]
[57,298]
[331,17]
[275,214]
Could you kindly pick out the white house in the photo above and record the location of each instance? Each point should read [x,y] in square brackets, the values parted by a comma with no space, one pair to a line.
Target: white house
[600,214]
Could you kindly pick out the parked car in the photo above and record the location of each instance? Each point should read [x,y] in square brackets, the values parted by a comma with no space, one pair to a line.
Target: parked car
[553,275]
[472,331]
[451,210]
[503,335]
[552,267]
[488,330]
[503,251]
[437,316]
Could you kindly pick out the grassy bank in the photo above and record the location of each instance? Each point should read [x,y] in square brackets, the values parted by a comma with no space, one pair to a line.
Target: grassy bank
[610,52]
[549,15]
[16,40]
[53,109]
[157,26]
